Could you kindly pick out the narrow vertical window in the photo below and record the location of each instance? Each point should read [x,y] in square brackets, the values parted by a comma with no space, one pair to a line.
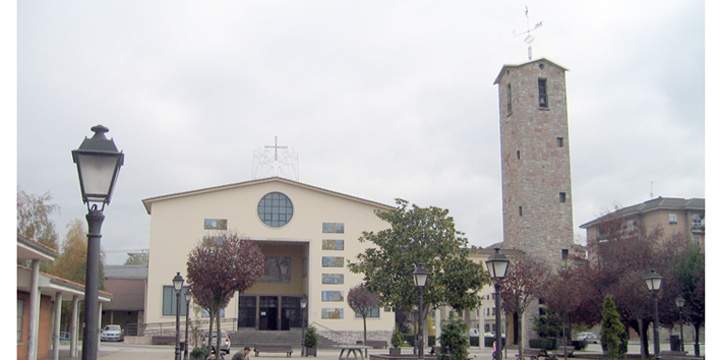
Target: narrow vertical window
[560,142]
[520,210]
[542,93]
[563,196]
[509,99]
[564,254]
[518,154]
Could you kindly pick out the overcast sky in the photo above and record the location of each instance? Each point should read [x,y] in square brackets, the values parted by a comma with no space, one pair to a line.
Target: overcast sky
[381,99]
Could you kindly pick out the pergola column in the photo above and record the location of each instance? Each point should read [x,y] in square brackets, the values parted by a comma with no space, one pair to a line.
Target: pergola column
[34,311]
[74,327]
[56,326]
[438,325]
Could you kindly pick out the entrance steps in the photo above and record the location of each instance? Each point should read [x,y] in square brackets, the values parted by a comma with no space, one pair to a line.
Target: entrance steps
[248,337]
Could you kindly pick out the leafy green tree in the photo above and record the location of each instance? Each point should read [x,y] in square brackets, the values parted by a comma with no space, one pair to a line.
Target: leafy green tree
[690,274]
[71,263]
[33,218]
[454,340]
[613,334]
[418,235]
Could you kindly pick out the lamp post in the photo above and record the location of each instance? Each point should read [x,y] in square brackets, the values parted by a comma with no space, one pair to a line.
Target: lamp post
[178,285]
[98,163]
[303,306]
[421,275]
[187,320]
[497,265]
[653,281]
[680,303]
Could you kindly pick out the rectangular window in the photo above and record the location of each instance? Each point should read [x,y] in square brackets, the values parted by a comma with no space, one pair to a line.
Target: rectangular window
[542,93]
[372,313]
[332,313]
[333,261]
[564,255]
[672,218]
[332,295]
[518,154]
[205,314]
[520,210]
[541,311]
[562,197]
[333,244]
[277,269]
[169,304]
[333,228]
[509,99]
[560,141]
[333,279]
[215,224]
[20,309]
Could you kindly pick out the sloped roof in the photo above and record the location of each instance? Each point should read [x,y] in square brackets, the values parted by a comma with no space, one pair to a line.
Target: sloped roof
[149,201]
[658,203]
[510,66]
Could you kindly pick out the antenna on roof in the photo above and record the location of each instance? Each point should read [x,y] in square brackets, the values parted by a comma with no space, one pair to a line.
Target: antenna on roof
[528,33]
[651,190]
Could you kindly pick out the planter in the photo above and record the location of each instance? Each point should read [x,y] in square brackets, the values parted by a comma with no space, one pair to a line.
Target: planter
[311,351]
[395,351]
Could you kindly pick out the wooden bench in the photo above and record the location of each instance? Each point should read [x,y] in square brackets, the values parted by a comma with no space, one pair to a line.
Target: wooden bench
[533,354]
[273,348]
[560,352]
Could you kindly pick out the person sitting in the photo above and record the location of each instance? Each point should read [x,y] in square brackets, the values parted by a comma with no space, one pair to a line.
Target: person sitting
[242,355]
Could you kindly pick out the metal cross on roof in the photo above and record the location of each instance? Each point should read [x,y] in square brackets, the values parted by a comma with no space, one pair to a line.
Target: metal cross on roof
[528,33]
[276,147]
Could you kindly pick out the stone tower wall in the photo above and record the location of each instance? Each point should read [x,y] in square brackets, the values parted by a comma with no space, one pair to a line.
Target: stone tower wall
[535,180]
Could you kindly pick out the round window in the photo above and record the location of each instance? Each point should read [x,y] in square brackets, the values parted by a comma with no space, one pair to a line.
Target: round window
[275,209]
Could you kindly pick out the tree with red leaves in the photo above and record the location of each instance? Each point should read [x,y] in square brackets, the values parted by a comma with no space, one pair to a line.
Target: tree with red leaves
[220,266]
[363,302]
[521,286]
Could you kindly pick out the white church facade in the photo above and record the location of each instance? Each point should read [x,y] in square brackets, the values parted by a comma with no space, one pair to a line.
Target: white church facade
[308,234]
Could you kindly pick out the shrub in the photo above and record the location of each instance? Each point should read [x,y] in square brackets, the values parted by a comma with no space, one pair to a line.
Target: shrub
[543,343]
[397,338]
[454,340]
[199,353]
[311,337]
[548,325]
[613,336]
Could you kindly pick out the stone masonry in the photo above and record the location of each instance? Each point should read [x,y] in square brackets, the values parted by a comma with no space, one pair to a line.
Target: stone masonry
[535,161]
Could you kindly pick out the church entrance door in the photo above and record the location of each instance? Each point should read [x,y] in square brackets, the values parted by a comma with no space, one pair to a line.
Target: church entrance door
[268,313]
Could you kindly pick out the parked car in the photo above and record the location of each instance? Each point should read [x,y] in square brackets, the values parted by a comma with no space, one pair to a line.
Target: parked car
[588,336]
[224,342]
[112,333]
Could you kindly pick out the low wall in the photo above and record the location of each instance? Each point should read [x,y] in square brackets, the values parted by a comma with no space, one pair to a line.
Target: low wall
[351,337]
[138,340]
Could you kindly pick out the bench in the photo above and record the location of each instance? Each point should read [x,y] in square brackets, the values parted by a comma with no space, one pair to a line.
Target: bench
[533,354]
[560,352]
[273,348]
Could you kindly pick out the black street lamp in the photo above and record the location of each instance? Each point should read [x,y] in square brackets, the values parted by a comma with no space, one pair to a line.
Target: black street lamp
[178,285]
[421,276]
[653,281]
[187,320]
[98,163]
[497,265]
[680,303]
[303,306]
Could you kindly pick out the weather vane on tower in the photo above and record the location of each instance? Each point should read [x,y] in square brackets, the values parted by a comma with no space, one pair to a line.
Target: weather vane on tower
[268,161]
[528,33]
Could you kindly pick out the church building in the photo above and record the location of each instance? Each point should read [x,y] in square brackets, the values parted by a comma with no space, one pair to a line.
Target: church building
[307,234]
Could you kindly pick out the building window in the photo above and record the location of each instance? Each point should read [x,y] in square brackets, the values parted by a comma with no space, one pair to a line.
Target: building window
[509,99]
[542,93]
[332,313]
[275,209]
[277,269]
[518,154]
[672,218]
[564,254]
[563,197]
[169,303]
[333,228]
[333,279]
[332,295]
[333,244]
[541,311]
[372,313]
[560,141]
[520,210]
[19,314]
[215,224]
[333,261]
